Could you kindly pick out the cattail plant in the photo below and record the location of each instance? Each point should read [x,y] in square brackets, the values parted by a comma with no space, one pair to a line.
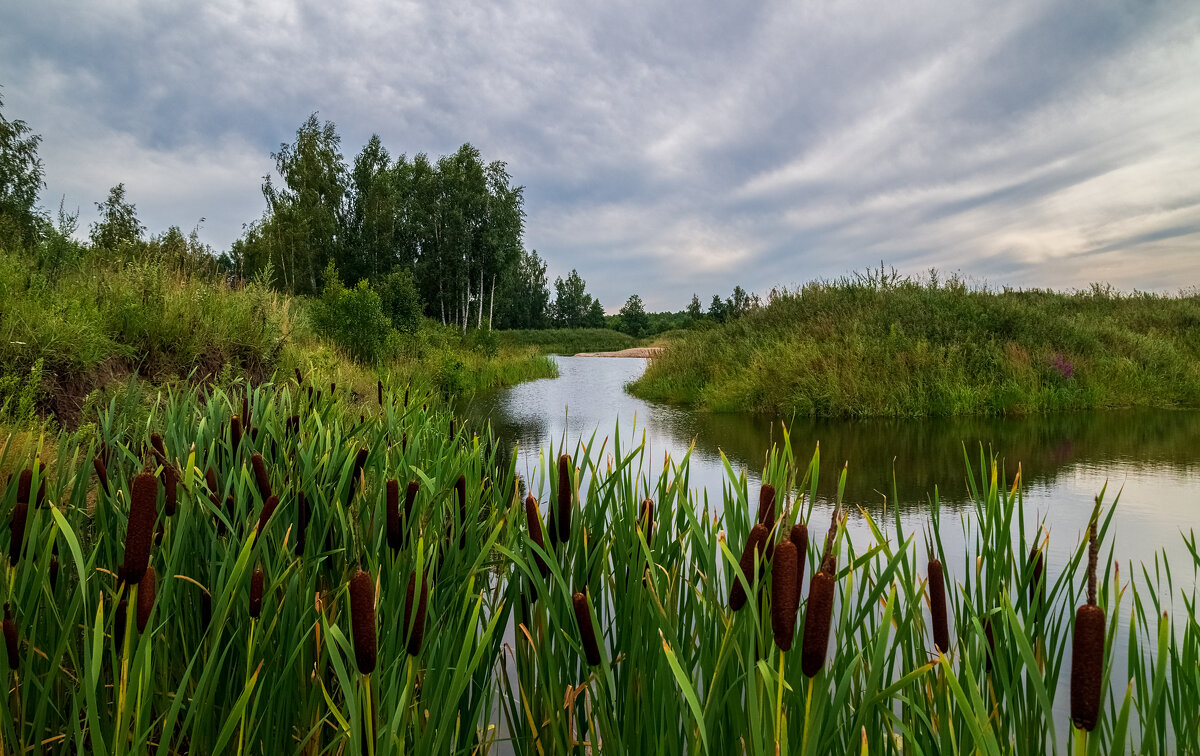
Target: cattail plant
[379,390]
[393,514]
[11,641]
[1037,586]
[587,634]
[784,577]
[360,460]
[362,619]
[937,606]
[146,592]
[293,424]
[171,489]
[25,485]
[246,408]
[299,378]
[156,444]
[414,614]
[534,520]
[1087,657]
[53,566]
[303,516]
[256,592]
[563,520]
[210,480]
[410,498]
[755,545]
[139,533]
[101,473]
[766,506]
[646,521]
[268,509]
[205,608]
[460,488]
[16,539]
[235,435]
[260,475]
[799,537]
[818,618]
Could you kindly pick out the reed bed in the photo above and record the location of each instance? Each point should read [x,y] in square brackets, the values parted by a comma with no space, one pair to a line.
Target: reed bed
[294,605]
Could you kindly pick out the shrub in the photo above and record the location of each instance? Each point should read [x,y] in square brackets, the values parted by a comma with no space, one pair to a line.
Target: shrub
[353,318]
[400,300]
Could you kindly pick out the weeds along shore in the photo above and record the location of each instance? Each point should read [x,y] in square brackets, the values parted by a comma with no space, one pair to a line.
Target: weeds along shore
[292,600]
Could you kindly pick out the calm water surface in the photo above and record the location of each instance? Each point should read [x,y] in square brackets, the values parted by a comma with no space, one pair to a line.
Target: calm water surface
[1151,457]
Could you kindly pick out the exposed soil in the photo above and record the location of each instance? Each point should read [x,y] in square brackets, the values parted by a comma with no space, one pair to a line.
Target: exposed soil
[634,352]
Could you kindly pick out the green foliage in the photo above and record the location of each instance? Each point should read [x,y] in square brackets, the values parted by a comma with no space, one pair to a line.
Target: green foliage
[570,340]
[633,317]
[679,671]
[118,228]
[400,300]
[884,345]
[524,298]
[20,395]
[21,180]
[352,318]
[572,304]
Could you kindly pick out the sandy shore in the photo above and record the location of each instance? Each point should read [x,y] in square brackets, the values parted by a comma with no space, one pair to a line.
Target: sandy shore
[635,352]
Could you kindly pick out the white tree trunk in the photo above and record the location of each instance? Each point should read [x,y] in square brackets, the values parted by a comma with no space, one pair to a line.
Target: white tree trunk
[479,318]
[492,302]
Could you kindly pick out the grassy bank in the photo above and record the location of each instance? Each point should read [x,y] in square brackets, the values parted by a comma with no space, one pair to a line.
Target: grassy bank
[73,337]
[889,347]
[570,341]
[260,634]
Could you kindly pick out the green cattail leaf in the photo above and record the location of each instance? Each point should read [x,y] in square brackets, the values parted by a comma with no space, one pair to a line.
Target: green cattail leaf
[689,693]
[235,714]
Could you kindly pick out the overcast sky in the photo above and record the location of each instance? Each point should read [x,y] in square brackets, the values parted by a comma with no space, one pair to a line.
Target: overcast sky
[665,149]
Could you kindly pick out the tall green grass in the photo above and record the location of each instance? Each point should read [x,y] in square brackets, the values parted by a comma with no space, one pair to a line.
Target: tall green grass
[894,347]
[502,663]
[570,341]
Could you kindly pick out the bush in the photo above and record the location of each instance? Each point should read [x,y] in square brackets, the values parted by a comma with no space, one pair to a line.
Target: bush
[400,300]
[352,318]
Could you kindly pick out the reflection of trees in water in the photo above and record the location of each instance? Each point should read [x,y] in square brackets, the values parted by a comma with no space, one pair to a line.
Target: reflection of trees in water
[930,452]
[924,453]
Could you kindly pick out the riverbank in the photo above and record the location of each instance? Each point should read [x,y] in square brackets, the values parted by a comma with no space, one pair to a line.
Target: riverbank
[569,341]
[78,337]
[899,348]
[640,352]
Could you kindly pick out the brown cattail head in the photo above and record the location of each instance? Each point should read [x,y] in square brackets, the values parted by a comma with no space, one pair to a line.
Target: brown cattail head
[205,608]
[303,516]
[799,536]
[210,479]
[937,606]
[260,475]
[267,510]
[393,514]
[1037,586]
[766,506]
[646,521]
[101,473]
[362,619]
[587,634]
[755,547]
[1087,666]
[460,489]
[293,424]
[25,485]
[784,577]
[534,520]
[299,378]
[817,622]
[159,531]
[414,613]
[139,533]
[230,508]
[564,499]
[16,539]
[360,460]
[379,389]
[256,593]
[332,387]
[310,394]
[146,592]
[235,435]
[990,638]
[170,481]
[246,408]
[11,642]
[54,567]
[160,450]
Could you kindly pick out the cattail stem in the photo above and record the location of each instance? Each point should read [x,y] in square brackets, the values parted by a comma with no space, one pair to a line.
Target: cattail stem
[1087,658]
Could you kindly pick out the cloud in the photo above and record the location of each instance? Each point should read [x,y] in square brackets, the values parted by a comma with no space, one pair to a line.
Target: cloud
[666,148]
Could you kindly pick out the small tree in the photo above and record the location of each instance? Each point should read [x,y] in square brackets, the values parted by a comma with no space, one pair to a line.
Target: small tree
[118,224]
[400,300]
[633,317]
[694,309]
[351,317]
[716,310]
